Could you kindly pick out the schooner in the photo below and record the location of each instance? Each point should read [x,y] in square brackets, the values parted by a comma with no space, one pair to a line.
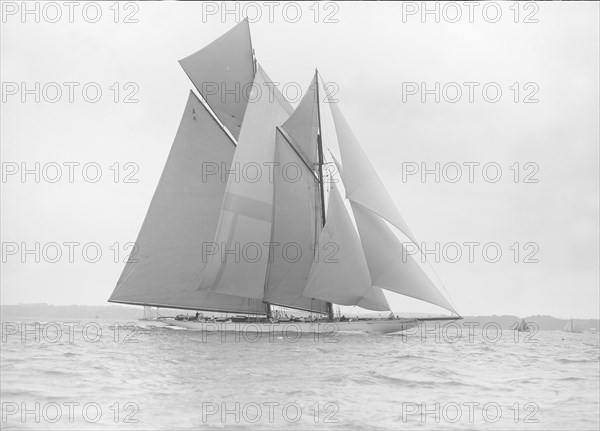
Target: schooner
[263,205]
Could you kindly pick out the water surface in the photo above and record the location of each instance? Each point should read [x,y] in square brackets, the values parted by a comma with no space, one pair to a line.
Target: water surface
[159,377]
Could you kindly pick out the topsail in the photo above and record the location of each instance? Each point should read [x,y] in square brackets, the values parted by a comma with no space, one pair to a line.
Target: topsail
[223,73]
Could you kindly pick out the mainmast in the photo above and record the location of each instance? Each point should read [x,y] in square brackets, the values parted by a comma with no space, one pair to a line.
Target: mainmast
[321,162]
[268,310]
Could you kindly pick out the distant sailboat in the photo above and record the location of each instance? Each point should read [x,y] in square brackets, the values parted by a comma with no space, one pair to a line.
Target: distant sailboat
[570,327]
[523,326]
[150,314]
[198,221]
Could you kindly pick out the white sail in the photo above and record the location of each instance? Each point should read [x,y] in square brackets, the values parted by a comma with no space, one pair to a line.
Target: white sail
[362,183]
[340,273]
[296,225]
[244,229]
[390,266]
[223,72]
[165,268]
[303,126]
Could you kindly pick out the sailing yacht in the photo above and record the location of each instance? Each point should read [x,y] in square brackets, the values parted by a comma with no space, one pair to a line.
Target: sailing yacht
[522,326]
[570,327]
[229,230]
[150,314]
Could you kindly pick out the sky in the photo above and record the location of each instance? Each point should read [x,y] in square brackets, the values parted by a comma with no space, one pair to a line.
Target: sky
[542,212]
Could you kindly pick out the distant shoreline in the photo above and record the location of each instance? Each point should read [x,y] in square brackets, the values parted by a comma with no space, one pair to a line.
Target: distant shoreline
[45,311]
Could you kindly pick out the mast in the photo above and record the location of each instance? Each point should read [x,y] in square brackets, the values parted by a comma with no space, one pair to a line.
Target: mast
[267,304]
[321,185]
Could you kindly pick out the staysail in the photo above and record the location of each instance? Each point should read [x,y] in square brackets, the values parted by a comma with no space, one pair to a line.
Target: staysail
[390,265]
[244,230]
[303,126]
[183,215]
[340,273]
[223,72]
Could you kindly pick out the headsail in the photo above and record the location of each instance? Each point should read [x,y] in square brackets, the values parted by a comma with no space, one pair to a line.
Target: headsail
[182,216]
[390,266]
[244,229]
[340,273]
[362,183]
[223,72]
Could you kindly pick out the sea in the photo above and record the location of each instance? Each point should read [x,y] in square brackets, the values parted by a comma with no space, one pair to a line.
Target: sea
[101,374]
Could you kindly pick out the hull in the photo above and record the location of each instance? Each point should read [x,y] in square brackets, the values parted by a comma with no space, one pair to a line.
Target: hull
[298,329]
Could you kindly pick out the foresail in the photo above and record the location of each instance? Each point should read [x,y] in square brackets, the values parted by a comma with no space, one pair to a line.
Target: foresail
[296,225]
[340,273]
[362,183]
[390,265]
[223,72]
[303,126]
[166,265]
[239,263]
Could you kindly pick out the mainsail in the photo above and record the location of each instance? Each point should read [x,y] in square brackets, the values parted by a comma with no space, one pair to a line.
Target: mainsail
[182,216]
[296,225]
